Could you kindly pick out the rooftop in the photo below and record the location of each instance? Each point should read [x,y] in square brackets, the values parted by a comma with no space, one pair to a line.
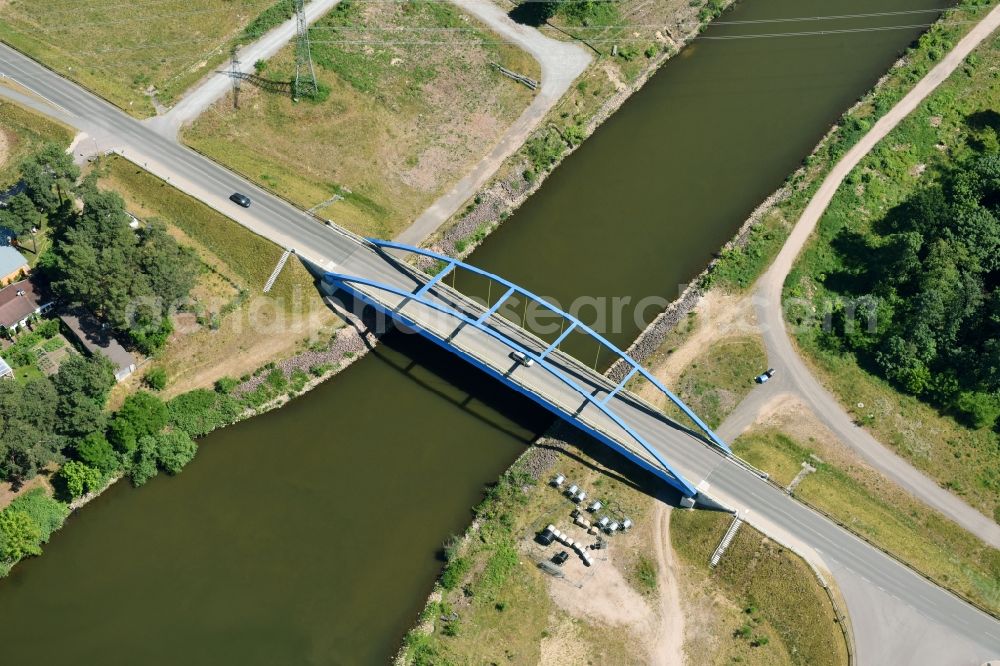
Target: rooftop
[11,261]
[5,368]
[18,300]
[97,338]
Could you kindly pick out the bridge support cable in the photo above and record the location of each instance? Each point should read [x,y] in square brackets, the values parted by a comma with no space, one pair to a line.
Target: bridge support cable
[620,386]
[496,306]
[434,280]
[558,341]
[660,468]
[382,245]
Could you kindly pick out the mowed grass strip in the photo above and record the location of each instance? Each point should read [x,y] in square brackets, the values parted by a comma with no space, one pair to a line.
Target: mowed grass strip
[399,120]
[25,132]
[250,256]
[883,513]
[126,51]
[785,616]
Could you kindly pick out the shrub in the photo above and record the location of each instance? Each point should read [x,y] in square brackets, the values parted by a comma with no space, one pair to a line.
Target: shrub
[47,513]
[156,379]
[143,467]
[454,572]
[226,385]
[201,411]
[19,535]
[75,479]
[276,379]
[174,450]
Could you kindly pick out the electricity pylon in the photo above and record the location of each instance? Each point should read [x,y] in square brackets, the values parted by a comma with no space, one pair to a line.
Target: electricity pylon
[305,74]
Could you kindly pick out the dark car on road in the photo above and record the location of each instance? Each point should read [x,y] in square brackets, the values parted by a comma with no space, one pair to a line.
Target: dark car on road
[241,199]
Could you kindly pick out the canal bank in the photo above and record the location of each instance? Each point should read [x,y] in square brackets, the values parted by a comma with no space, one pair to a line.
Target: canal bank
[336,530]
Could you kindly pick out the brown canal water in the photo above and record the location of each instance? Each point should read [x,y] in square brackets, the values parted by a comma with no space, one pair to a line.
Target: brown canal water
[311,535]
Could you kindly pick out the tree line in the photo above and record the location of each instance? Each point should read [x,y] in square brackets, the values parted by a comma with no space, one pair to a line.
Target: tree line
[925,312]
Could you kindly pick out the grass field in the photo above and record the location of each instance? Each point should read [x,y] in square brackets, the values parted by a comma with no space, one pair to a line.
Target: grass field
[128,52]
[721,376]
[231,327]
[401,121]
[778,613]
[937,133]
[882,512]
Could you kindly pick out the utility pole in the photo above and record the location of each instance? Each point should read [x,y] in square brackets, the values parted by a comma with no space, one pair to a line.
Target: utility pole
[305,74]
[234,73]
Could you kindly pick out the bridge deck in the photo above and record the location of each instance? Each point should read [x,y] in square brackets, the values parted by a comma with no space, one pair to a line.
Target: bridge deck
[690,459]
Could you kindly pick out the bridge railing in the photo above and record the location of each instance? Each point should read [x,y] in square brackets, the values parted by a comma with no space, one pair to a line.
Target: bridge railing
[512,289]
[656,464]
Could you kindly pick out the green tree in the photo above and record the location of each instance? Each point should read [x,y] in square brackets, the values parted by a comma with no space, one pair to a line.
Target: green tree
[82,385]
[49,176]
[156,379]
[95,451]
[141,415]
[20,215]
[128,278]
[174,450]
[27,418]
[19,535]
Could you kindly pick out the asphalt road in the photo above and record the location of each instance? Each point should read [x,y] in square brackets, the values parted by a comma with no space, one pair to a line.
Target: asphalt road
[919,623]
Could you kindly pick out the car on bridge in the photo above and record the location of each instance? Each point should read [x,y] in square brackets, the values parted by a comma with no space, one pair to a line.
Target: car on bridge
[522,358]
[240,199]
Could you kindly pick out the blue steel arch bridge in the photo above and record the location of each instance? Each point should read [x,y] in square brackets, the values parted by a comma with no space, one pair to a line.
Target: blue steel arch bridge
[604,408]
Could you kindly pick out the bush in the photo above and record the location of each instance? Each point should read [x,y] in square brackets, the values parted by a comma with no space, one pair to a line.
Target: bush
[271,17]
[454,572]
[143,467]
[19,535]
[141,415]
[46,513]
[226,385]
[75,479]
[156,379]
[276,379]
[174,450]
[201,411]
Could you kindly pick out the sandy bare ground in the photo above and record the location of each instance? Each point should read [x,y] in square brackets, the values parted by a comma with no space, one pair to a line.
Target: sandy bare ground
[608,599]
[719,315]
[668,647]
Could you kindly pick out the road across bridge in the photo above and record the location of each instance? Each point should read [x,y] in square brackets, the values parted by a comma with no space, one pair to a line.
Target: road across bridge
[481,335]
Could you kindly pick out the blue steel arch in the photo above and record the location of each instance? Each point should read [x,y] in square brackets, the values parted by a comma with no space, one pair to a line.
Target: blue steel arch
[637,368]
[673,477]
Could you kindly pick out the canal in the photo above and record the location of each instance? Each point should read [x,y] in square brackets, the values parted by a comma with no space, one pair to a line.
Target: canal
[311,535]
